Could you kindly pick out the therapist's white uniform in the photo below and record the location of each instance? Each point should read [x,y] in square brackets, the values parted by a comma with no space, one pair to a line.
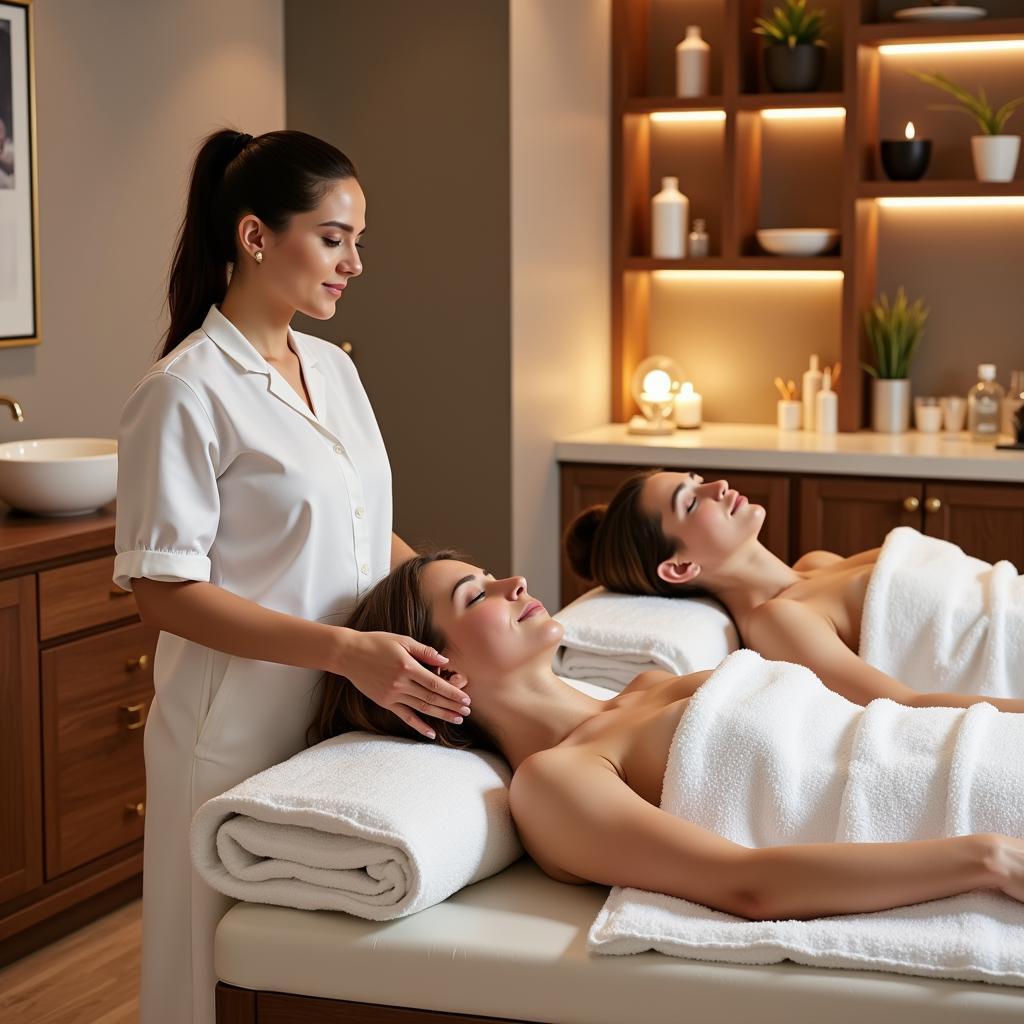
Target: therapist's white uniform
[224,475]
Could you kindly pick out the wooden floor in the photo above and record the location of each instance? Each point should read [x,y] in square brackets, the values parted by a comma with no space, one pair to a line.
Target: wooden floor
[89,977]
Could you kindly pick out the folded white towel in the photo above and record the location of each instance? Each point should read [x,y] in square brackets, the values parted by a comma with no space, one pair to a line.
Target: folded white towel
[376,826]
[938,620]
[611,638]
[765,755]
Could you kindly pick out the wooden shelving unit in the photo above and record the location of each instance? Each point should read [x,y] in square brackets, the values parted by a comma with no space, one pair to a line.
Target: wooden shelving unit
[740,101]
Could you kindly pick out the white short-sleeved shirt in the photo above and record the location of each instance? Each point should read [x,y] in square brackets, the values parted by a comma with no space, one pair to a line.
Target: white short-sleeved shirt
[224,475]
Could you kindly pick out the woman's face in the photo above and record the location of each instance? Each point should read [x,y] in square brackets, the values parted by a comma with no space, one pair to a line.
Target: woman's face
[708,521]
[493,626]
[308,265]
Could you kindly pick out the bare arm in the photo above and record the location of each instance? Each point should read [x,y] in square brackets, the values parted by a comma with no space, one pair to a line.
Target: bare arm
[400,551]
[384,666]
[576,815]
[789,631]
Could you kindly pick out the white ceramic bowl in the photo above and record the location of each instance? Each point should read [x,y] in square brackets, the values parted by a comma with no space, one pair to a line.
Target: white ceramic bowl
[59,476]
[797,241]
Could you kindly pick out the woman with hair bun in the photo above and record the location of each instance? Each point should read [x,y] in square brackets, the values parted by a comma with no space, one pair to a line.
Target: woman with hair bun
[253,512]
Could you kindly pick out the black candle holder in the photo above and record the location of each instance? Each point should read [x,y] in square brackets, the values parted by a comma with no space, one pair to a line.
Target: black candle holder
[906,159]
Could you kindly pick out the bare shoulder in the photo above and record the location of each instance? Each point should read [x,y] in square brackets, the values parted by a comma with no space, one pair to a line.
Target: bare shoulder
[816,560]
[786,630]
[646,680]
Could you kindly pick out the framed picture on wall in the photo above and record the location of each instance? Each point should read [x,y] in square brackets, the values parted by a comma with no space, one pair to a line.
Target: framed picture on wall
[19,216]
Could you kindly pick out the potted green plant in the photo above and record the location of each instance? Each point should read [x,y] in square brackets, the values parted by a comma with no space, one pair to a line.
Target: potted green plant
[894,332]
[794,59]
[995,154]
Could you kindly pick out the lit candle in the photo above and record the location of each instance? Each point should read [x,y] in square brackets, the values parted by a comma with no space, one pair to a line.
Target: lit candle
[688,407]
[906,159]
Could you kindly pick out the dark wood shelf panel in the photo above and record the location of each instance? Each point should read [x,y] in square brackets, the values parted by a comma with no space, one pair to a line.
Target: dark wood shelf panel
[941,31]
[671,104]
[789,100]
[740,263]
[936,189]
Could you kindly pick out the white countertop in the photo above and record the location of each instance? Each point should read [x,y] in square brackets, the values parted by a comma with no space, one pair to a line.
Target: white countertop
[753,446]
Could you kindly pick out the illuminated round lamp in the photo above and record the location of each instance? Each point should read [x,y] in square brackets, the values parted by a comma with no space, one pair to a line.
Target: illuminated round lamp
[656,382]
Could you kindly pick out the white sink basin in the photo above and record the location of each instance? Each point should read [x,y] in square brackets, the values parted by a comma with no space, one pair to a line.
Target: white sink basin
[59,476]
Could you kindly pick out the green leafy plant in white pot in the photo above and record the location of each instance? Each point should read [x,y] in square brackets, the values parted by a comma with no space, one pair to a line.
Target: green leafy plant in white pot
[995,154]
[794,59]
[894,331]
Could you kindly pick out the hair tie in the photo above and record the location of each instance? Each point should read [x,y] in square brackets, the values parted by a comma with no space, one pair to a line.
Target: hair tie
[241,141]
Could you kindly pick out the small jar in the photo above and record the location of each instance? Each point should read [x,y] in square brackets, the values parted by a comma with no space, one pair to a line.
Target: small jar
[927,415]
[698,241]
[788,414]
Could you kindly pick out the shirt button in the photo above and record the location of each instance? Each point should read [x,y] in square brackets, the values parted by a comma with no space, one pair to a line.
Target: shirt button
[360,512]
[364,569]
[338,449]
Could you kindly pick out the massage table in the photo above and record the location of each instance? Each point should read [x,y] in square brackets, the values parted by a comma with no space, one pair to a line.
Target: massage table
[513,948]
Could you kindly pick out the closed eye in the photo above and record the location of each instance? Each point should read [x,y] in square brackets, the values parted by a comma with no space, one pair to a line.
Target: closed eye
[692,505]
[479,597]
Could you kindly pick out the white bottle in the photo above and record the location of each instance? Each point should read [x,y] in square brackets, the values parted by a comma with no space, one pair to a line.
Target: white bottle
[811,387]
[826,413]
[983,405]
[693,55]
[670,216]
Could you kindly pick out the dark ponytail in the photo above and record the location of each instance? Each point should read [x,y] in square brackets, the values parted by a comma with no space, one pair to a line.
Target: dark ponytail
[272,176]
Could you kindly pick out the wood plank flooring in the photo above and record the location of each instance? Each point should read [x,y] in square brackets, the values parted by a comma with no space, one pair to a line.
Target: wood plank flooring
[89,977]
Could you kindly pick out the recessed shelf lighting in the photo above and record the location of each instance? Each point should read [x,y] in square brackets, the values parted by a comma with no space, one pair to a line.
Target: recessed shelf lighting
[750,275]
[790,113]
[949,201]
[687,115]
[977,46]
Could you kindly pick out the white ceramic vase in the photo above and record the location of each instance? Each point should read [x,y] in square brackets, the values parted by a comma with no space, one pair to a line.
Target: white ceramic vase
[693,55]
[995,156]
[670,221]
[890,405]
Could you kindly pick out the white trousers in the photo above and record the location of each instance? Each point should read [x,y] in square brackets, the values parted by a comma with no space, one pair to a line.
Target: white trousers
[203,736]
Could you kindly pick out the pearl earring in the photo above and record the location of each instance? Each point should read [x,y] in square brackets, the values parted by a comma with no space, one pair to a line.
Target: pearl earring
[258,257]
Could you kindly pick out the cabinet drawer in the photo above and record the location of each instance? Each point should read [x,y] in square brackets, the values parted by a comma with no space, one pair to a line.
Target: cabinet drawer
[96,694]
[79,596]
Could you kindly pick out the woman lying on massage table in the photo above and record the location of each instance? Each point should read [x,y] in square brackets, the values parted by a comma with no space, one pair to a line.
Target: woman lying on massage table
[588,773]
[940,621]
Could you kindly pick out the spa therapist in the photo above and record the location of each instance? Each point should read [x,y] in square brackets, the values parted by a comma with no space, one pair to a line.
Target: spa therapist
[253,511]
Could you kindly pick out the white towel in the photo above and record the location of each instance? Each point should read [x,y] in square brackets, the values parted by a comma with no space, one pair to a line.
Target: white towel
[938,620]
[376,826]
[611,638]
[765,755]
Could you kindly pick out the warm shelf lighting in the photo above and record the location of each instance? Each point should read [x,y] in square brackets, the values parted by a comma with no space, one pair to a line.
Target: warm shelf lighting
[749,275]
[948,201]
[791,113]
[667,116]
[978,46]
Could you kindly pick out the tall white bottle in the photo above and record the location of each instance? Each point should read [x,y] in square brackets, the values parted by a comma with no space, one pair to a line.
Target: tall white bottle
[811,387]
[670,221]
[826,413]
[693,56]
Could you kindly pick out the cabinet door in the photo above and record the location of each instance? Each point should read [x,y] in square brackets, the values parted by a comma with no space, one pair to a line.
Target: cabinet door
[585,484]
[851,514]
[986,520]
[20,800]
[96,695]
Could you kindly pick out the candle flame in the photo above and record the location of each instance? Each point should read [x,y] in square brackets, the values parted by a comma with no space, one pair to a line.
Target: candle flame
[910,130]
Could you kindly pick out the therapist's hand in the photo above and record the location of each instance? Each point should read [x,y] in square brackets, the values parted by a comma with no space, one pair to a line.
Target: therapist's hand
[386,668]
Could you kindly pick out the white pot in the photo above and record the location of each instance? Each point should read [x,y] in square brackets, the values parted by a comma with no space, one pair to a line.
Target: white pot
[995,156]
[890,406]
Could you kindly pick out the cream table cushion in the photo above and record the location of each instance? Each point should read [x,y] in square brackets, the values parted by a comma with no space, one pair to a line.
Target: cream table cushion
[514,946]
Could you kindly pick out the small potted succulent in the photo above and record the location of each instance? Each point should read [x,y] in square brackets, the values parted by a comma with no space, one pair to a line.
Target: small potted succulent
[894,332]
[995,154]
[794,59]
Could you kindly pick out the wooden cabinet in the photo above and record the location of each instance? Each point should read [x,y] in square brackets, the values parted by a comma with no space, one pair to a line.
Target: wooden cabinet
[20,805]
[76,682]
[585,484]
[844,514]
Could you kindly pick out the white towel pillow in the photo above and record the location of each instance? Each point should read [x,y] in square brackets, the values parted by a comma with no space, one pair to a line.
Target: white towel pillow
[611,638]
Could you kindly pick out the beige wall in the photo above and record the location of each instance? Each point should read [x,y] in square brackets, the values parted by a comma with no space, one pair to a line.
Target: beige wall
[560,258]
[124,92]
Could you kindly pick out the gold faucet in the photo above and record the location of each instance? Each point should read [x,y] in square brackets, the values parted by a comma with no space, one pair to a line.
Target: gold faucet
[14,407]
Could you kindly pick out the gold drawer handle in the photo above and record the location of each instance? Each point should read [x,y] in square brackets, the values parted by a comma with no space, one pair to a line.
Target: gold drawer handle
[135,715]
[116,591]
[932,504]
[139,809]
[911,504]
[139,664]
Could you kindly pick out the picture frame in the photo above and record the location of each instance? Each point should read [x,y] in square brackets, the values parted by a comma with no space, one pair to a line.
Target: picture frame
[19,192]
